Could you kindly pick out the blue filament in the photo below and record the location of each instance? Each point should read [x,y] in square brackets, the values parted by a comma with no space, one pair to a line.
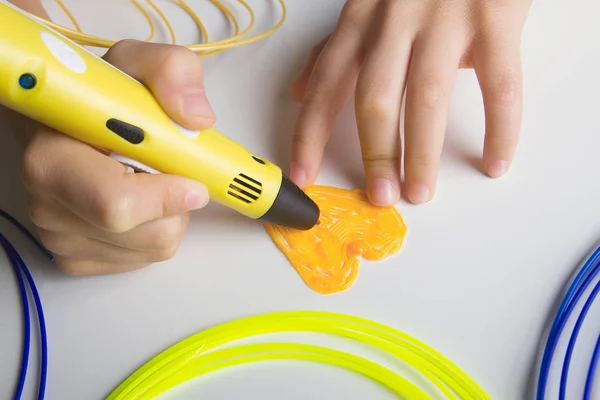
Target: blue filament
[580,283]
[24,276]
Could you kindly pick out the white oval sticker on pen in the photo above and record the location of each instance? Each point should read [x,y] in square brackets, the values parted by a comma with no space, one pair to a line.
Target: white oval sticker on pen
[64,53]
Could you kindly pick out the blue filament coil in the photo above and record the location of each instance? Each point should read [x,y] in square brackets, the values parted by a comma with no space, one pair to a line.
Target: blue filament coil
[580,283]
[24,278]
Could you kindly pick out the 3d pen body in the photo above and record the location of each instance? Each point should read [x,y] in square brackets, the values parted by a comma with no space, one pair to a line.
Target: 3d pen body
[52,80]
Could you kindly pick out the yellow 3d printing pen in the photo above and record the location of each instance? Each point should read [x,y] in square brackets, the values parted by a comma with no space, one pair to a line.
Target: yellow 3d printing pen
[52,80]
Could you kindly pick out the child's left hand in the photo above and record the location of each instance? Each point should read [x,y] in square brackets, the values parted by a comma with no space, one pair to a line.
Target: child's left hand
[381,46]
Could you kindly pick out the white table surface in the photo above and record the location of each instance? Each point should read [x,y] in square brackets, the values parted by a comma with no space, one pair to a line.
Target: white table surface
[477,279]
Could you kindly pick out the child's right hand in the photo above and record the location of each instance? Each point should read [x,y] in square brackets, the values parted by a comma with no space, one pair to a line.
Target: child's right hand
[92,214]
[394,53]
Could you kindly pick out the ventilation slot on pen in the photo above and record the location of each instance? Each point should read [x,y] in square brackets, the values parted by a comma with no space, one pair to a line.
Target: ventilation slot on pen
[245,189]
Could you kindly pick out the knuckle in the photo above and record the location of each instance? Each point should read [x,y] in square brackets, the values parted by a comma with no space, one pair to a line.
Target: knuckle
[175,58]
[397,13]
[113,214]
[165,254]
[71,267]
[53,242]
[38,214]
[119,48]
[430,94]
[376,106]
[351,17]
[166,234]
[380,159]
[322,93]
[348,27]
[124,44]
[353,9]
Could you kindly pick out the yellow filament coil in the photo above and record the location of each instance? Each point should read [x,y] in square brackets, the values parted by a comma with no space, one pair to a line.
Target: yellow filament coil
[203,49]
[199,355]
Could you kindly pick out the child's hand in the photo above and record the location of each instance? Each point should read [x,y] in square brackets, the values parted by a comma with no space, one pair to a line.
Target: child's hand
[93,215]
[381,46]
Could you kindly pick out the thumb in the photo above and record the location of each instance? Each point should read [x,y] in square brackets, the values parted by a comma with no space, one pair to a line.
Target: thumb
[172,73]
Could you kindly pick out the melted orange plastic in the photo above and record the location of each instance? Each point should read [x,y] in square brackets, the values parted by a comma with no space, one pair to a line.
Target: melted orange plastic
[327,256]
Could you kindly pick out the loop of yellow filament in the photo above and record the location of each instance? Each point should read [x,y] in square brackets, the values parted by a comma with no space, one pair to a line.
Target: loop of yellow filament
[203,49]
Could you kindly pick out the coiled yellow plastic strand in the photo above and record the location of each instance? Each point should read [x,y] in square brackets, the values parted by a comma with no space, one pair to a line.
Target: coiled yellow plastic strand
[164,18]
[203,49]
[198,355]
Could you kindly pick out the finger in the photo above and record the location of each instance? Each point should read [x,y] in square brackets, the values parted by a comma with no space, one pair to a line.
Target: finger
[99,190]
[298,87]
[331,85]
[81,248]
[379,93]
[91,267]
[498,69]
[162,234]
[172,73]
[435,59]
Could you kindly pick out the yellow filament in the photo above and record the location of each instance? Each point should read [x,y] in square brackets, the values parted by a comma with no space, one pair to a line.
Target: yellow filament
[148,18]
[203,49]
[199,23]
[69,15]
[73,20]
[215,349]
[165,20]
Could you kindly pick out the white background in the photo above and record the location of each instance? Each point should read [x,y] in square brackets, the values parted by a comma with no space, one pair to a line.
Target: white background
[479,275]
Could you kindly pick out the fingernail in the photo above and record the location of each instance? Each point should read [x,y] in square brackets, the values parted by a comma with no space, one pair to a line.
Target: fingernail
[196,197]
[497,168]
[197,104]
[418,193]
[384,192]
[298,175]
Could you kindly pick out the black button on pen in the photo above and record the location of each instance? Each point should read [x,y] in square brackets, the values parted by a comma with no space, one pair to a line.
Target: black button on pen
[129,132]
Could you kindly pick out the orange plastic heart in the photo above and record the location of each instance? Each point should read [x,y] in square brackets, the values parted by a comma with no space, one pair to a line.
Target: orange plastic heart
[327,257]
